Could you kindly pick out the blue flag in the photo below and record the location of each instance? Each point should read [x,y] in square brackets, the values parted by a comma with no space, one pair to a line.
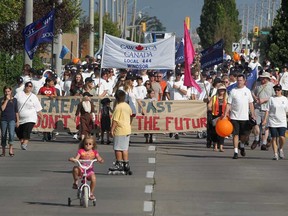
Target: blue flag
[250,80]
[179,55]
[64,51]
[212,55]
[38,32]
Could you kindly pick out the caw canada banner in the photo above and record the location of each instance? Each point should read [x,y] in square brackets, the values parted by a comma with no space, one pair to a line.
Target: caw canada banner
[160,116]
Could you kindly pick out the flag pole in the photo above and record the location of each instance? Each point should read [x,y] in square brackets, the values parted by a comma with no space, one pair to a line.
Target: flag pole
[52,49]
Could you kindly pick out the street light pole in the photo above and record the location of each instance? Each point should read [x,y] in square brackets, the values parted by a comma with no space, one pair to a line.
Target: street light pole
[100,24]
[133,20]
[28,20]
[91,22]
[58,46]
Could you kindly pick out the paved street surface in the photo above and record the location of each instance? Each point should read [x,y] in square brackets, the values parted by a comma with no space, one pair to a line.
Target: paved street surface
[170,178]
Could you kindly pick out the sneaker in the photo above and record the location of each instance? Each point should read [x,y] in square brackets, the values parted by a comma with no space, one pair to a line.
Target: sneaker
[255,144]
[176,136]
[24,146]
[170,135]
[264,148]
[281,154]
[242,152]
[275,157]
[235,156]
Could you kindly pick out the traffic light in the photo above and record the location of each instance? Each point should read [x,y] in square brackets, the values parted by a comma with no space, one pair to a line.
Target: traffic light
[256,31]
[143,26]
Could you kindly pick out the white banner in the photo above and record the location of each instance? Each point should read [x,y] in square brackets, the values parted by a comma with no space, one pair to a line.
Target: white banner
[120,53]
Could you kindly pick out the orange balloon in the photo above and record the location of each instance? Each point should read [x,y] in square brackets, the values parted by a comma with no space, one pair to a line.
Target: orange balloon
[224,127]
[236,56]
[75,60]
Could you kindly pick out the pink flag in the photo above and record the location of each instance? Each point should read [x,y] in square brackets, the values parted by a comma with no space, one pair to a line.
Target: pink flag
[189,54]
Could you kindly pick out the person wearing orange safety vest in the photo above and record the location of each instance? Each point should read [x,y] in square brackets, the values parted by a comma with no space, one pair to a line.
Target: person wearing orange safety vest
[217,106]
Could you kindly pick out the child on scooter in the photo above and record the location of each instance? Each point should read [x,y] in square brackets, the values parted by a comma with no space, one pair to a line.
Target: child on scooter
[87,151]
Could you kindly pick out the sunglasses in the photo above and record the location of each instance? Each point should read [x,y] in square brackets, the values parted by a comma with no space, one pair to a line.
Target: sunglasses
[29,86]
[277,89]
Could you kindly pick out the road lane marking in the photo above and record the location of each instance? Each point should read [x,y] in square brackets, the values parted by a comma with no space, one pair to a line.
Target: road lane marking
[150,174]
[149,189]
[148,206]
[151,160]
[151,148]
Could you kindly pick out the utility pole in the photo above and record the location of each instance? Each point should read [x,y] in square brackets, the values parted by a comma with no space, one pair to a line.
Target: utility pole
[273,12]
[247,29]
[117,13]
[106,7]
[28,20]
[268,14]
[254,15]
[243,19]
[77,36]
[133,20]
[124,20]
[91,22]
[113,11]
[100,24]
[121,16]
[261,16]
[58,47]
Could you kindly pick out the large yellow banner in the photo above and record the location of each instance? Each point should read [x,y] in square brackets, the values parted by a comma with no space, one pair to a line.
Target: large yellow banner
[160,116]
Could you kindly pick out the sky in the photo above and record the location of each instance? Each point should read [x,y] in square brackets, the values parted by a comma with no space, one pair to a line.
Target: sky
[173,12]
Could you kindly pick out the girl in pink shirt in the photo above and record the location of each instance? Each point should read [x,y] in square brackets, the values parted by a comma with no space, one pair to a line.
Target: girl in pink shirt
[87,151]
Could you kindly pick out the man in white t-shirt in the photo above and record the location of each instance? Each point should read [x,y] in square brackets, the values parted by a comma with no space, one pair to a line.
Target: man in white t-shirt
[176,91]
[239,102]
[205,87]
[38,80]
[284,81]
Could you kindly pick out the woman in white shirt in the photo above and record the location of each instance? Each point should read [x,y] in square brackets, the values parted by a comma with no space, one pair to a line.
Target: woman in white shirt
[276,119]
[29,108]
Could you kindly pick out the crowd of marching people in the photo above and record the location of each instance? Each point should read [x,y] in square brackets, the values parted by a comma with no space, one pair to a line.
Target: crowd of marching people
[260,110]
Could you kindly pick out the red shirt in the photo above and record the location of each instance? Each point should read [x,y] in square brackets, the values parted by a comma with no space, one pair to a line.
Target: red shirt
[48,91]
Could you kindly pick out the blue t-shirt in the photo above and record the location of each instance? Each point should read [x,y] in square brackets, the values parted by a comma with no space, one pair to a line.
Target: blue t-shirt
[9,113]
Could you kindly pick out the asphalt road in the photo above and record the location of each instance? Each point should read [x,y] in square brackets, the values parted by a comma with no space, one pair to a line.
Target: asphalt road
[170,177]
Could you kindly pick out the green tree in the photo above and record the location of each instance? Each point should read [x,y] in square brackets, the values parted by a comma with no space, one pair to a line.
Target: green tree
[10,10]
[11,27]
[12,23]
[219,19]
[109,27]
[278,38]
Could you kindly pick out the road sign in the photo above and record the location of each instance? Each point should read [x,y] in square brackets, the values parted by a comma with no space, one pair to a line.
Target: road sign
[264,32]
[236,47]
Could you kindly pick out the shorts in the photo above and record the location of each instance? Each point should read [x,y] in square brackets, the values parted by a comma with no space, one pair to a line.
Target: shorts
[241,127]
[259,116]
[121,143]
[89,172]
[24,130]
[277,132]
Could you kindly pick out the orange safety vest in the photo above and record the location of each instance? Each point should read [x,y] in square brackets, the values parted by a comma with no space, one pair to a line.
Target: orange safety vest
[215,106]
